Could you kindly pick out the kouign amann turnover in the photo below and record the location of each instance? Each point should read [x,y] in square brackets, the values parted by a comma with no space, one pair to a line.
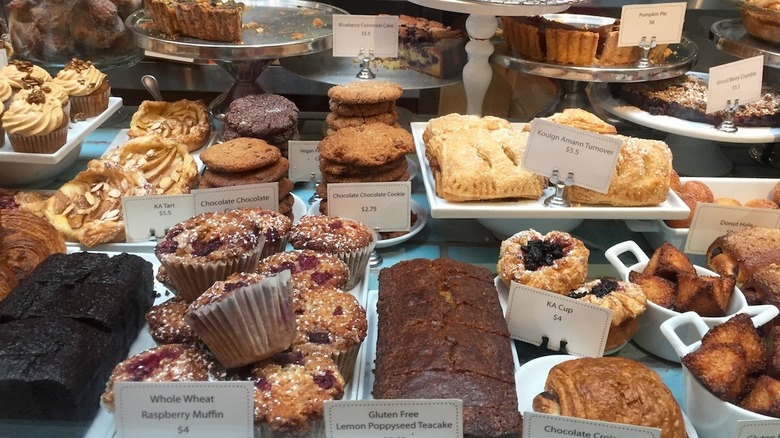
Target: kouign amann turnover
[612,389]
[438,322]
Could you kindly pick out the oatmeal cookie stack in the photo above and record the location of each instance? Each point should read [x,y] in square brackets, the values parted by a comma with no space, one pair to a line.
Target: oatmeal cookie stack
[362,103]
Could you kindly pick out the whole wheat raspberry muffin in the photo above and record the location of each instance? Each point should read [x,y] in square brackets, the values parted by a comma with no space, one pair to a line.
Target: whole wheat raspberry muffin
[310,269]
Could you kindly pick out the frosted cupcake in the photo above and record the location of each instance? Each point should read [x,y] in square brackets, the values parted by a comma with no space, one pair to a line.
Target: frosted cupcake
[37,124]
[207,248]
[87,87]
[16,71]
[246,318]
[50,89]
[5,91]
[350,240]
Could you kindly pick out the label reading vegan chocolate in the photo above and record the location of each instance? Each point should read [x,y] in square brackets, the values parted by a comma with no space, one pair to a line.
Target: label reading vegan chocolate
[377,34]
[711,221]
[534,314]
[440,418]
[184,409]
[536,425]
[735,81]
[304,160]
[147,217]
[662,22]
[381,206]
[230,198]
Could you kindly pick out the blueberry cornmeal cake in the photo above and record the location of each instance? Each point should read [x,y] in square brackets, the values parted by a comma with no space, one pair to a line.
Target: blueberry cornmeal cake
[438,322]
[685,97]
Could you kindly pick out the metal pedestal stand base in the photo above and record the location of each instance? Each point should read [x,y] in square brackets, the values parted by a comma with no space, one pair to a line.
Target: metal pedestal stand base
[765,153]
[245,74]
[697,157]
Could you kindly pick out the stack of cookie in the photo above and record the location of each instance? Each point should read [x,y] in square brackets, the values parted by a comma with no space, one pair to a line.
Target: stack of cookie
[248,161]
[366,153]
[361,103]
[269,117]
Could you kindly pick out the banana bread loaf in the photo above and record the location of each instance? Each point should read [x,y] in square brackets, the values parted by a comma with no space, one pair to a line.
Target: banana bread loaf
[438,322]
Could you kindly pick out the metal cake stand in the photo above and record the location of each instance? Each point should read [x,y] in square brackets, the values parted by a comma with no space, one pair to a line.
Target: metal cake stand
[731,37]
[272,30]
[573,80]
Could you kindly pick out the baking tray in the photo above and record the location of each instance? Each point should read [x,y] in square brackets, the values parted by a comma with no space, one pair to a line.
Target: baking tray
[104,427]
[672,208]
[279,19]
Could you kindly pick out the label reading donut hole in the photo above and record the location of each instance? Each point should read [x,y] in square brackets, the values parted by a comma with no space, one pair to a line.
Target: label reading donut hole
[534,314]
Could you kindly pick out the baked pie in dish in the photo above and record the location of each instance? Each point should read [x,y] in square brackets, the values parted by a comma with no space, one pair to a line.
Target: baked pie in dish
[186,121]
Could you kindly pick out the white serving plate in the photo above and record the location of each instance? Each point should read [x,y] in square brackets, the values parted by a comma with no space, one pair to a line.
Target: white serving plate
[23,169]
[600,96]
[742,189]
[672,208]
[104,426]
[417,226]
[298,209]
[534,373]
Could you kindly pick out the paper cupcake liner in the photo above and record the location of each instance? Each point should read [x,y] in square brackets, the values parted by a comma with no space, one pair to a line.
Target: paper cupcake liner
[40,144]
[316,430]
[193,278]
[279,246]
[91,104]
[254,322]
[345,361]
[357,261]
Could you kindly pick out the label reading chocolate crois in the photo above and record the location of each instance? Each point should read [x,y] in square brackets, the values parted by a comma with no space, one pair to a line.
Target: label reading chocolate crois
[536,425]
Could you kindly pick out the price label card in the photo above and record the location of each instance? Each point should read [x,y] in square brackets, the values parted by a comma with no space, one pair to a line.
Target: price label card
[591,157]
[532,314]
[229,198]
[147,217]
[381,206]
[440,418]
[353,33]
[739,80]
[536,425]
[184,409]
[304,160]
[711,221]
[3,57]
[758,429]
[662,22]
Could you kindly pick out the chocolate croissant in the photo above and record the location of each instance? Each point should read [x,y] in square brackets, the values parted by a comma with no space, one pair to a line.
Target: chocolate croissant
[26,240]
[612,389]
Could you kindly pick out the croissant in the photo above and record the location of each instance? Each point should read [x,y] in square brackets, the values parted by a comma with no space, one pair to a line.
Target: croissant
[7,280]
[612,389]
[25,241]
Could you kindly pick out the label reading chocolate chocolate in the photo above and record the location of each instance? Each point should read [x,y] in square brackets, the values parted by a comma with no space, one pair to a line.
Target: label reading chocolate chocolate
[230,198]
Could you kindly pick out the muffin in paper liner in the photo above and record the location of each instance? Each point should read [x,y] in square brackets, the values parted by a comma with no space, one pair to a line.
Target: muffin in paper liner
[357,262]
[316,430]
[41,144]
[92,104]
[245,319]
[277,246]
[345,361]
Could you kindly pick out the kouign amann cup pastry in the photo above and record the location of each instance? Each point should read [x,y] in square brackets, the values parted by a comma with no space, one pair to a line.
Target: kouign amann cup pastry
[37,124]
[165,163]
[332,322]
[274,226]
[555,262]
[87,87]
[290,392]
[16,71]
[166,363]
[612,389]
[246,318]
[185,121]
[310,269]
[350,240]
[167,324]
[626,301]
[207,248]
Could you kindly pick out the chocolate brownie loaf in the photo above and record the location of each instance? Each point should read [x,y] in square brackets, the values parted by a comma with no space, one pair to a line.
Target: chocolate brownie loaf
[63,329]
[438,322]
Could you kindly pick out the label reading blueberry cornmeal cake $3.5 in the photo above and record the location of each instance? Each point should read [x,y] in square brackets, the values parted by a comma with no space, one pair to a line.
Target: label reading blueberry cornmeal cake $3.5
[304,160]
[736,81]
[534,314]
[264,195]
[589,156]
[381,206]
[147,217]
[758,429]
[372,34]
[184,409]
[439,418]
[536,425]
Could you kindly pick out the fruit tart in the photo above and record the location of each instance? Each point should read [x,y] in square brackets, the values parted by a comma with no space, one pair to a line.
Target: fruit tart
[186,121]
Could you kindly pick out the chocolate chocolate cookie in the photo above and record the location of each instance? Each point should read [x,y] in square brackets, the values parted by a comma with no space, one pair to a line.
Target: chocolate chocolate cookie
[366,92]
[367,145]
[398,174]
[271,173]
[240,155]
[261,115]
[360,110]
[336,122]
